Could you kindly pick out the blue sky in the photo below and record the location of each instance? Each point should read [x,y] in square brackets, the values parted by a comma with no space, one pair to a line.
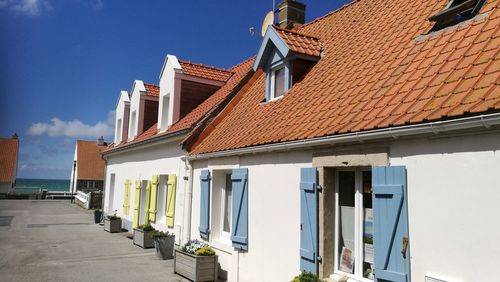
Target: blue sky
[63,62]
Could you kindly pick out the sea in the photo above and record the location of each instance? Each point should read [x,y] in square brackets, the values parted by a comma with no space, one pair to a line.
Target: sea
[24,184]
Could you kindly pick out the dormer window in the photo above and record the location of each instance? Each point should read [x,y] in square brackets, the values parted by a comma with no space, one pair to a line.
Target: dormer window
[277,82]
[286,56]
[456,11]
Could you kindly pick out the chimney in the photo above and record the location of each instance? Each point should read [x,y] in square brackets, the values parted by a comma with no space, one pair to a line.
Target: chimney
[100,141]
[291,14]
[15,136]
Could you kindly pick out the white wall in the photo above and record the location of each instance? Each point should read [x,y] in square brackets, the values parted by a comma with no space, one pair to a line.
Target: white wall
[168,86]
[142,165]
[453,203]
[135,106]
[123,100]
[274,216]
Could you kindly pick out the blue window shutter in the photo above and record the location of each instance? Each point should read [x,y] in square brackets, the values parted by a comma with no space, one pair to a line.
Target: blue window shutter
[308,220]
[204,203]
[390,224]
[239,213]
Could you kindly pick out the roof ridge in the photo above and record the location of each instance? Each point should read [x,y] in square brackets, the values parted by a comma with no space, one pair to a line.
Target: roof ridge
[204,66]
[150,84]
[329,13]
[241,63]
[296,32]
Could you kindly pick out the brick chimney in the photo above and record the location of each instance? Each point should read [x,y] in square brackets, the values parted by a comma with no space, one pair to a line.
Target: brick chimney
[100,141]
[291,14]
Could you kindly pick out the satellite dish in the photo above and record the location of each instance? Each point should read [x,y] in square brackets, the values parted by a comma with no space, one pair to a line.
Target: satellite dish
[268,20]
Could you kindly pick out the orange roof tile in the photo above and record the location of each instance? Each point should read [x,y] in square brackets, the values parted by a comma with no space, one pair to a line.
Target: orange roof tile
[300,43]
[9,148]
[90,166]
[152,90]
[203,71]
[192,118]
[375,72]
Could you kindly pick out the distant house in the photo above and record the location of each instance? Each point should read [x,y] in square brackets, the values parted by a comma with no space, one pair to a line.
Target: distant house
[9,148]
[87,172]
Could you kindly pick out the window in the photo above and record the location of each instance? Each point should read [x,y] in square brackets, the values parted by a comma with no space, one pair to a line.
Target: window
[354,255]
[132,130]
[277,83]
[221,205]
[226,207]
[165,112]
[118,134]
[456,11]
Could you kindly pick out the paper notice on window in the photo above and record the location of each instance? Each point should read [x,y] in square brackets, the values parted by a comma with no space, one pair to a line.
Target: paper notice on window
[369,253]
[346,260]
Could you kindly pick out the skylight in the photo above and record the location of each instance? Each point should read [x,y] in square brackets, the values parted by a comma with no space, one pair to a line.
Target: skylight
[456,11]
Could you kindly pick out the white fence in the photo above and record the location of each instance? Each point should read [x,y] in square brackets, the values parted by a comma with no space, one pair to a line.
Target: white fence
[83,199]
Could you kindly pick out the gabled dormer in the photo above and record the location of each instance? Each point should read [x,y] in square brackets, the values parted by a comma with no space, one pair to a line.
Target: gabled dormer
[122,113]
[183,86]
[285,56]
[143,108]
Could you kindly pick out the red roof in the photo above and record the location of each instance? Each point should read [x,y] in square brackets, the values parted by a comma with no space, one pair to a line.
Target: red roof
[90,166]
[9,148]
[379,69]
[152,90]
[203,71]
[192,118]
[300,43]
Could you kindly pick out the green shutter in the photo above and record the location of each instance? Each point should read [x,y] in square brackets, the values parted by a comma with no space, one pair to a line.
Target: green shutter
[137,203]
[152,202]
[171,189]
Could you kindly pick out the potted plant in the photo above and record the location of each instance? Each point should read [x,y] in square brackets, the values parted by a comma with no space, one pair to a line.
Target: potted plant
[196,261]
[164,244]
[143,236]
[113,223]
[306,277]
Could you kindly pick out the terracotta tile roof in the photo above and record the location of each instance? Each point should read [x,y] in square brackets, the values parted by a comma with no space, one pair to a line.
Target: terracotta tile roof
[192,118]
[152,90]
[299,42]
[90,166]
[203,71]
[9,148]
[379,69]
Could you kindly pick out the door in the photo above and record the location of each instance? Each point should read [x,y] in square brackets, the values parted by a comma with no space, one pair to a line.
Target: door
[390,224]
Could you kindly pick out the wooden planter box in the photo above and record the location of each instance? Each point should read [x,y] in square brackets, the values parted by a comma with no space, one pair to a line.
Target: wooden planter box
[165,247]
[113,225]
[143,239]
[196,268]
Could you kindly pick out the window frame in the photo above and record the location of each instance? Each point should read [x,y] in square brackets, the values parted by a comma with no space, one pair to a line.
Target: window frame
[272,87]
[358,224]
[224,234]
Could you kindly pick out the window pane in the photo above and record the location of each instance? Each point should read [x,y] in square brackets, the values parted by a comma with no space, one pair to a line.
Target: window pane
[346,246]
[227,204]
[279,82]
[368,251]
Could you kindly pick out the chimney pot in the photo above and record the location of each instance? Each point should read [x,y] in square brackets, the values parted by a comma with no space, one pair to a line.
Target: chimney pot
[100,141]
[291,14]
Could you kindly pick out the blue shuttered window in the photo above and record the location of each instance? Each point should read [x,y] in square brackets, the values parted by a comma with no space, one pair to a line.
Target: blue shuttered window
[308,220]
[239,218]
[390,224]
[204,204]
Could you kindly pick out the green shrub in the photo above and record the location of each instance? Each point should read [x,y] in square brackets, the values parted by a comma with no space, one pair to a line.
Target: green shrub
[306,277]
[146,227]
[205,251]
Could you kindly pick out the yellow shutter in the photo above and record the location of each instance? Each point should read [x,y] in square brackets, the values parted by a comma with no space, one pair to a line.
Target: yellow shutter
[152,203]
[126,200]
[137,203]
[146,206]
[171,187]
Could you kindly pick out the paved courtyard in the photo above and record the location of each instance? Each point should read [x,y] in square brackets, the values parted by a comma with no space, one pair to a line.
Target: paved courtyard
[57,241]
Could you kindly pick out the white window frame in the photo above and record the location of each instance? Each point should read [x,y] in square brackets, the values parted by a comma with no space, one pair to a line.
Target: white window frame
[223,234]
[273,82]
[358,226]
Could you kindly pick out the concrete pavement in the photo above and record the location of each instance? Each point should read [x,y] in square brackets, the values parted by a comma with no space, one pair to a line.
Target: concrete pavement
[58,241]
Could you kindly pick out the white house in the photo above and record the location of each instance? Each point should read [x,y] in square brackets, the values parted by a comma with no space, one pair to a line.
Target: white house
[365,147]
[146,175]
[87,170]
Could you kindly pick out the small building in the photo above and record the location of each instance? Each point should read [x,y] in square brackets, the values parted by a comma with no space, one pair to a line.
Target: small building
[87,173]
[9,151]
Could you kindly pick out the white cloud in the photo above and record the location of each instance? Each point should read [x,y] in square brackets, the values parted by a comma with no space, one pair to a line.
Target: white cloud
[74,128]
[26,7]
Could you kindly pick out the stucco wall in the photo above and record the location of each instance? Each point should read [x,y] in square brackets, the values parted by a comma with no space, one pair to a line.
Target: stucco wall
[142,165]
[135,106]
[453,203]
[274,216]
[168,86]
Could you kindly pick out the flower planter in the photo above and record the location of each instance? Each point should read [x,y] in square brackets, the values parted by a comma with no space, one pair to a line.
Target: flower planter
[143,239]
[165,247]
[113,225]
[196,268]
